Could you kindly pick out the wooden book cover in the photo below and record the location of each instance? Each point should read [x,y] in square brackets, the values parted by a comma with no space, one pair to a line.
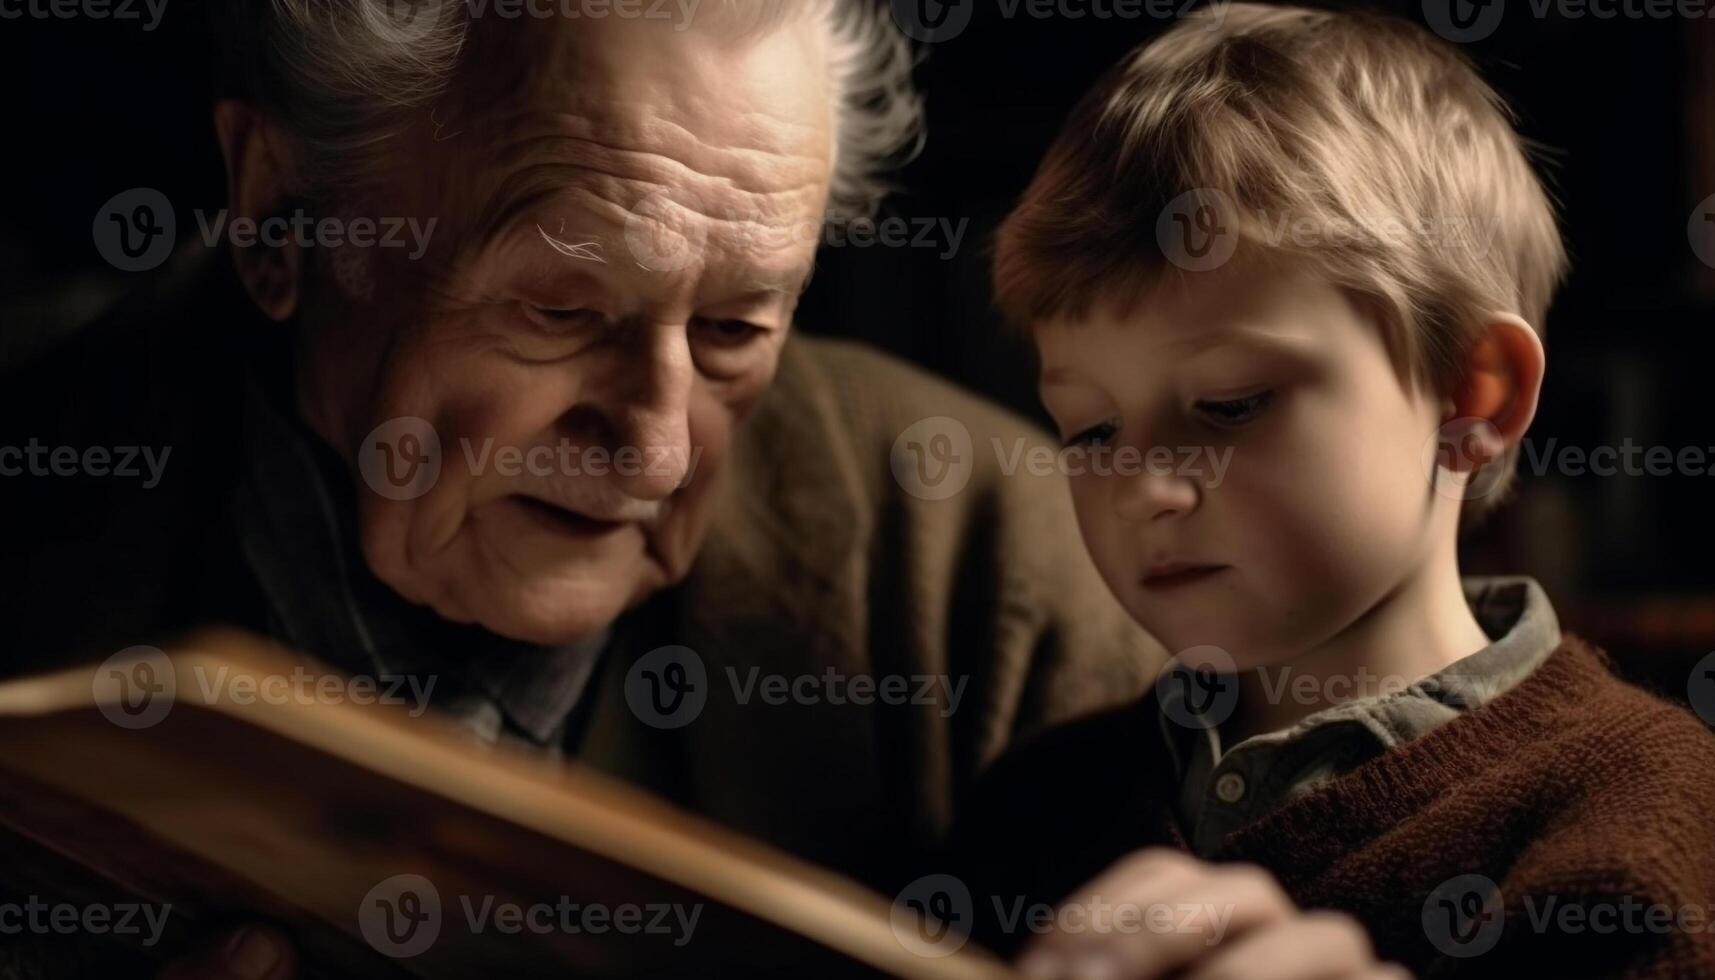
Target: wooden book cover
[390,845]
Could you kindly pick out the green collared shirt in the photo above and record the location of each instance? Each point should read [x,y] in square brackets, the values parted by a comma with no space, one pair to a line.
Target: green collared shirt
[1222,789]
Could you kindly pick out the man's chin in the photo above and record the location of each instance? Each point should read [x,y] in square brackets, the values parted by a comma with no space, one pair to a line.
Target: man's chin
[547,620]
[534,587]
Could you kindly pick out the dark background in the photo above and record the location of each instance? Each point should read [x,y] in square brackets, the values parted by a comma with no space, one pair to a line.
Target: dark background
[1624,109]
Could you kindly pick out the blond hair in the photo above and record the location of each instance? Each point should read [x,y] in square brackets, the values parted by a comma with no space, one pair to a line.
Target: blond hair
[1356,143]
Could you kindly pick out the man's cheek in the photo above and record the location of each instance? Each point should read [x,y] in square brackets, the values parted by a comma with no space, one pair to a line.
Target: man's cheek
[717,414]
[383,530]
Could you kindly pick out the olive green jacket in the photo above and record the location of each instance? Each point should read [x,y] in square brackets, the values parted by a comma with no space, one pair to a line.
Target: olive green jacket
[819,559]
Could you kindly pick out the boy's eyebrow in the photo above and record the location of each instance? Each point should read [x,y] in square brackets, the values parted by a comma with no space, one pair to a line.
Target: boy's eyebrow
[1270,342]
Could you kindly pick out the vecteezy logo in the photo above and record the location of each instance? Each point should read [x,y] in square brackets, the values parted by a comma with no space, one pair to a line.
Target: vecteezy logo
[930,21]
[1457,458]
[135,687]
[1463,916]
[667,687]
[1200,696]
[1463,21]
[400,459]
[1700,688]
[1196,230]
[932,916]
[1701,230]
[1199,687]
[932,458]
[135,230]
[401,916]
[401,21]
[664,235]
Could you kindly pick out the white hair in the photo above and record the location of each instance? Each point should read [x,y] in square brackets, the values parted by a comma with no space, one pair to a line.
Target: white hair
[344,76]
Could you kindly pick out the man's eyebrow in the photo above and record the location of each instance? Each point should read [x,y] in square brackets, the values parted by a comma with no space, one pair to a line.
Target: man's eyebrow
[790,283]
[509,200]
[590,250]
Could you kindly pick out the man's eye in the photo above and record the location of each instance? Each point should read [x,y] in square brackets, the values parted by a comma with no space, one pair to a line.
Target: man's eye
[1095,435]
[1235,411]
[731,333]
[564,320]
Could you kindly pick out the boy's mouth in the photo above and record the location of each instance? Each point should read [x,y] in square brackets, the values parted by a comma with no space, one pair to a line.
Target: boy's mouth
[1177,574]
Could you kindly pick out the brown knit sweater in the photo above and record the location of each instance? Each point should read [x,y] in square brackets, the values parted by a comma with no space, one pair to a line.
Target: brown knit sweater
[1586,801]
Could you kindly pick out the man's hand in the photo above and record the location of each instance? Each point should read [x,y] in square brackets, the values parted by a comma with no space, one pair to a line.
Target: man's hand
[1160,912]
[251,953]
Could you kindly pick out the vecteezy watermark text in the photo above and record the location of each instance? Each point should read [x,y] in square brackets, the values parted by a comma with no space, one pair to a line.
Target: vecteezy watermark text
[90,9]
[934,458]
[668,687]
[35,459]
[33,915]
[309,231]
[566,458]
[833,687]
[931,21]
[933,916]
[402,917]
[1208,464]
[138,686]
[1466,915]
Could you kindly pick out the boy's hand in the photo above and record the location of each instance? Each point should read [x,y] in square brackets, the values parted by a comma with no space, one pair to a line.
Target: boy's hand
[1169,914]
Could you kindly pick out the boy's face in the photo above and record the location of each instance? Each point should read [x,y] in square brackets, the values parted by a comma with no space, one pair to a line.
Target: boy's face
[1323,508]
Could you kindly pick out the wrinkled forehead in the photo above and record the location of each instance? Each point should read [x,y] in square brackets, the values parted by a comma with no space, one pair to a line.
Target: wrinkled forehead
[590,128]
[654,101]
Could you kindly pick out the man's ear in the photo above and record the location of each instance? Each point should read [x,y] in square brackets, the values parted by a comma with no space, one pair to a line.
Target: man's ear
[1502,381]
[259,178]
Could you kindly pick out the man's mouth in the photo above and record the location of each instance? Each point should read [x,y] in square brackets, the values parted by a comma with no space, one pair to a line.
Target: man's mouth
[1168,576]
[567,522]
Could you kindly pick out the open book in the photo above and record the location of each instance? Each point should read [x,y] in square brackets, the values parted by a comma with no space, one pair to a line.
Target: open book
[392,845]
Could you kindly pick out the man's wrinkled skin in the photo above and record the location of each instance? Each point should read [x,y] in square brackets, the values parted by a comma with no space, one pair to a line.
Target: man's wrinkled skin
[614,267]
[619,252]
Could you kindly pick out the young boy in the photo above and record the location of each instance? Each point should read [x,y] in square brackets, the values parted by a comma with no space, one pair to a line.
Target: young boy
[1312,240]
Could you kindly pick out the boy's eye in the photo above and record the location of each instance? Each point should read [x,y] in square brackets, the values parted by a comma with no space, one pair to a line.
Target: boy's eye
[1095,435]
[1235,411]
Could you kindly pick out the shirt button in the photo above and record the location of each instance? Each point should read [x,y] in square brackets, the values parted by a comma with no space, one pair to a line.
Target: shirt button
[1230,787]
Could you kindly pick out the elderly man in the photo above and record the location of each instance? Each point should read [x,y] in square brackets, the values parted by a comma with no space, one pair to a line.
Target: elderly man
[622,214]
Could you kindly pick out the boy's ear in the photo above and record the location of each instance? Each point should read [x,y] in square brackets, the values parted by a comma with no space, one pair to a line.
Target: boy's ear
[259,178]
[1502,380]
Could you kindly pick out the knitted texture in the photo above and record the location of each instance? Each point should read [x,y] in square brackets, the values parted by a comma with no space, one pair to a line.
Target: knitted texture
[1570,814]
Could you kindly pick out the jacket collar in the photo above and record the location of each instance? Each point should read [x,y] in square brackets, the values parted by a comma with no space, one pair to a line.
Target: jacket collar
[790,510]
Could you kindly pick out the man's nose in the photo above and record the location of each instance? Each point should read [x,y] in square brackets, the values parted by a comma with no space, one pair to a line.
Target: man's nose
[1151,496]
[649,408]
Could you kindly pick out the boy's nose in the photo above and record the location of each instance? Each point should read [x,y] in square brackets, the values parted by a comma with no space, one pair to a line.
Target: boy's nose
[1154,496]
